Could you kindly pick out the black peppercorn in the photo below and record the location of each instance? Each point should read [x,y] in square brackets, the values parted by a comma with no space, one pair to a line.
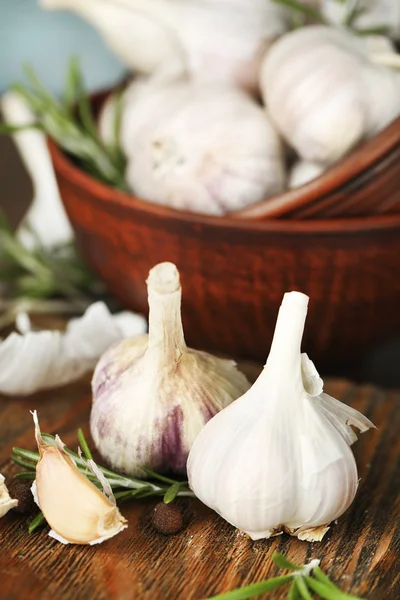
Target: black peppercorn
[167,518]
[21,491]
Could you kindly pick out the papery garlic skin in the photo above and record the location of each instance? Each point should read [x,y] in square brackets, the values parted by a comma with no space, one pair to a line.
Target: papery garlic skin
[36,360]
[207,149]
[212,41]
[6,502]
[325,92]
[152,395]
[76,510]
[278,458]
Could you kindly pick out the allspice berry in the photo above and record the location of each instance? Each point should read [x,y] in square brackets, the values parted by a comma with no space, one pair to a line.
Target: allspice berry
[22,492]
[167,518]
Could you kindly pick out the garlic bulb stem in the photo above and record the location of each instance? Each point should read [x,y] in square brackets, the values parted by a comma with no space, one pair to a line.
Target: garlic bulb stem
[286,343]
[166,338]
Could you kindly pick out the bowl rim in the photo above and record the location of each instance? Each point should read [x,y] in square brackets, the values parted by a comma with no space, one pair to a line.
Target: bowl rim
[360,159]
[111,196]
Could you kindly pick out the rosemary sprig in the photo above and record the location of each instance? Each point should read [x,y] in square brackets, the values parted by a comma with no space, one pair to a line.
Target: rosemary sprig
[304,580]
[126,488]
[74,130]
[45,280]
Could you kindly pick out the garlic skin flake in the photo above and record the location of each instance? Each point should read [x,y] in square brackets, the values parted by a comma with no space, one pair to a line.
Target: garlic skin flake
[6,502]
[203,148]
[279,458]
[38,360]
[152,395]
[326,92]
[76,510]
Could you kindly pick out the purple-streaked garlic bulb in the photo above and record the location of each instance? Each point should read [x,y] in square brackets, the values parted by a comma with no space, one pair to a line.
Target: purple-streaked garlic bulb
[152,394]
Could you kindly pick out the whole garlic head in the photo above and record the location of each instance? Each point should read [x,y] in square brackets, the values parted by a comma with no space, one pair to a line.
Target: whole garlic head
[152,395]
[279,458]
[211,40]
[206,149]
[321,87]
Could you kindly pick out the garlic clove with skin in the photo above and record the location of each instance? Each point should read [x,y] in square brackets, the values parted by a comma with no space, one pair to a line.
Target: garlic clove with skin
[152,395]
[279,458]
[6,502]
[76,510]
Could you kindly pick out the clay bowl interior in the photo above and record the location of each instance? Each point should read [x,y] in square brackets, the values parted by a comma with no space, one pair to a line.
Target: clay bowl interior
[235,271]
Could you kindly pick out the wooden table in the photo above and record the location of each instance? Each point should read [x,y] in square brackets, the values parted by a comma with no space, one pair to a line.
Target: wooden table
[361,553]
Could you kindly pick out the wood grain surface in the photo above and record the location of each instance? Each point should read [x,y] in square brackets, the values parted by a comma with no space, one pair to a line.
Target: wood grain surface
[361,552]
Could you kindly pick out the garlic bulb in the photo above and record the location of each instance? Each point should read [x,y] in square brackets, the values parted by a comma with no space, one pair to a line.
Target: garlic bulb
[302,172]
[76,510]
[279,458]
[212,40]
[152,395]
[324,92]
[373,13]
[6,502]
[207,149]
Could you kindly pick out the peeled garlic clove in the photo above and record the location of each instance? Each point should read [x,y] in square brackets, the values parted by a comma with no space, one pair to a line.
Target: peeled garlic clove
[76,510]
[152,395]
[321,88]
[38,360]
[278,458]
[302,172]
[6,502]
[203,148]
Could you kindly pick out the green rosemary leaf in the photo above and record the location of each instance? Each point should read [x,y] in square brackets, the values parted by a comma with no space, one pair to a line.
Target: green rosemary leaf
[294,591]
[328,592]
[37,522]
[254,590]
[26,475]
[377,30]
[300,7]
[84,108]
[320,575]
[172,493]
[7,129]
[33,456]
[302,587]
[24,463]
[283,563]
[84,445]
[155,475]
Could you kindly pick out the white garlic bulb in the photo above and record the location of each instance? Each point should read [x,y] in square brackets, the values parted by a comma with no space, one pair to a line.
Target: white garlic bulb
[152,394]
[206,149]
[324,92]
[213,40]
[373,13]
[279,458]
[302,172]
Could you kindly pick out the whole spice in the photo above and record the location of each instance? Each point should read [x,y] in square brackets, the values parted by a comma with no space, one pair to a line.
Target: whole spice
[326,91]
[167,518]
[152,394]
[74,507]
[279,458]
[21,491]
[203,148]
[6,502]
[222,40]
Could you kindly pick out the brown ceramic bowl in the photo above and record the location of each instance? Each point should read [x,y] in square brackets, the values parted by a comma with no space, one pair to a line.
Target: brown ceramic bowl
[235,271]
